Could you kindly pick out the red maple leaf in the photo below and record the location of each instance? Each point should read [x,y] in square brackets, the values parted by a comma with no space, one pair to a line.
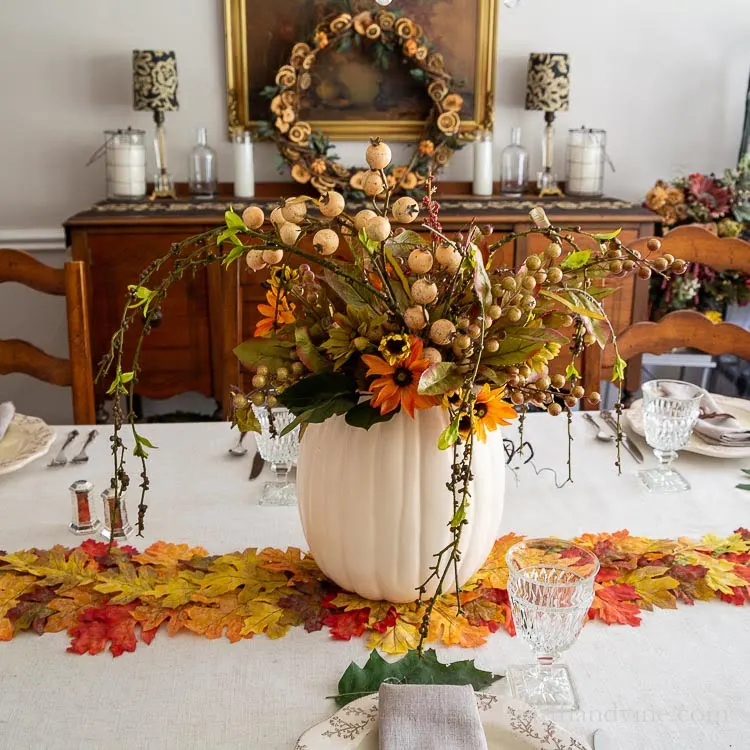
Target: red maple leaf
[688,572]
[387,622]
[740,595]
[607,574]
[615,604]
[344,625]
[744,533]
[107,624]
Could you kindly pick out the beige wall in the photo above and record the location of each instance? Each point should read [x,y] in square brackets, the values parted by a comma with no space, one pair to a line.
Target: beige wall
[665,78]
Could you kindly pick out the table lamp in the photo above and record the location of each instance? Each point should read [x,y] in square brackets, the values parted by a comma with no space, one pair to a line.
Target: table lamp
[547,89]
[155,89]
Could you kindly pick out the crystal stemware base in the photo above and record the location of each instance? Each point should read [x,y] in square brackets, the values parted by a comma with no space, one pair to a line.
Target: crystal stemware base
[663,479]
[282,490]
[549,687]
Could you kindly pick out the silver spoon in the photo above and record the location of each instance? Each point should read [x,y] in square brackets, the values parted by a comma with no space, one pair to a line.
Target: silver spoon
[601,434]
[239,449]
[81,457]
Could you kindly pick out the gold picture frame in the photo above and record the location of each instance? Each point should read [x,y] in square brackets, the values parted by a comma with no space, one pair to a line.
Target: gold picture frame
[243,83]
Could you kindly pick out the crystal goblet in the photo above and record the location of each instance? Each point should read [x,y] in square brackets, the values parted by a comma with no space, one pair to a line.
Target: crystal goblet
[551,587]
[670,411]
[280,451]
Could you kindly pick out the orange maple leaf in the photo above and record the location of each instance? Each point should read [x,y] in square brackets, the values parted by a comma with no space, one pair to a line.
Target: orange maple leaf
[615,604]
[168,555]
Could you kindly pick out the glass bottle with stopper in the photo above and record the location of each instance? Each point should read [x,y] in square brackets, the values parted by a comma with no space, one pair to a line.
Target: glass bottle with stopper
[202,168]
[514,166]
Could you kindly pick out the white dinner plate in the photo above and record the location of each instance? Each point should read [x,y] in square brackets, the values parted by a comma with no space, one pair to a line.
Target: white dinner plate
[27,438]
[739,408]
[508,725]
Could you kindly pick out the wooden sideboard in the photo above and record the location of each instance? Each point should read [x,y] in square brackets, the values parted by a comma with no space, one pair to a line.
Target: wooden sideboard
[190,350]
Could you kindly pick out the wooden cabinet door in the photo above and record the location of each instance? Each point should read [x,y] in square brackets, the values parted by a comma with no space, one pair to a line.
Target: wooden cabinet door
[177,355]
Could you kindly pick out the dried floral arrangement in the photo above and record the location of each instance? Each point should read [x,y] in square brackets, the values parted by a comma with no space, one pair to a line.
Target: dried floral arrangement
[309,154]
[722,205]
[407,321]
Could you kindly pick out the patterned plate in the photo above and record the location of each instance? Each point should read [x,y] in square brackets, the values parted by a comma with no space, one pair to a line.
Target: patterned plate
[27,438]
[739,408]
[508,725]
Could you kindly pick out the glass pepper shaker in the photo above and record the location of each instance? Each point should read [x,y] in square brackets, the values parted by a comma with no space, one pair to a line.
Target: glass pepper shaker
[84,520]
[116,524]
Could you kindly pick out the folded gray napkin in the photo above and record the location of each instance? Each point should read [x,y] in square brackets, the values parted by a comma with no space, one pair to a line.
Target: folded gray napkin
[7,412]
[713,425]
[429,717]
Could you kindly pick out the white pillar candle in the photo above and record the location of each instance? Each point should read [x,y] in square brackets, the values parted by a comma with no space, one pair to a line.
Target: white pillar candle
[126,166]
[482,184]
[585,162]
[244,168]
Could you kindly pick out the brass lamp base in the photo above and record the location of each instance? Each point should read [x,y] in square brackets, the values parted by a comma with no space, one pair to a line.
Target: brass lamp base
[550,191]
[163,186]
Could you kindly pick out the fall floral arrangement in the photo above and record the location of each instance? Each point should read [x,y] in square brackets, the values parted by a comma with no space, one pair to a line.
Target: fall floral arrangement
[402,322]
[385,35]
[722,205]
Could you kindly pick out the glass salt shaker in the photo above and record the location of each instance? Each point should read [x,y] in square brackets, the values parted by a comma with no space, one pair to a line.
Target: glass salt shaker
[84,519]
[116,525]
[514,166]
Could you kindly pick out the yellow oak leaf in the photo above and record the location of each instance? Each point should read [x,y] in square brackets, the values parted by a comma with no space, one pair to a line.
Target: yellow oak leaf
[264,618]
[12,586]
[225,613]
[398,639]
[19,561]
[453,629]
[653,587]
[494,572]
[240,569]
[77,570]
[68,608]
[166,555]
[303,568]
[720,575]
[127,582]
[178,590]
[152,614]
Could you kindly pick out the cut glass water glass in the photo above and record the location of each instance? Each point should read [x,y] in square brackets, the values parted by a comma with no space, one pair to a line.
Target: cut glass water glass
[280,453]
[551,587]
[670,411]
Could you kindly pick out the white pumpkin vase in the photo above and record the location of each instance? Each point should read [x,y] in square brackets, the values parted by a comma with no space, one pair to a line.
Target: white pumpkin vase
[375,507]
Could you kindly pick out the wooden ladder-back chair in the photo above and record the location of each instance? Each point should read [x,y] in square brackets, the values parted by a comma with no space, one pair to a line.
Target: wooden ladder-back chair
[686,328]
[21,356]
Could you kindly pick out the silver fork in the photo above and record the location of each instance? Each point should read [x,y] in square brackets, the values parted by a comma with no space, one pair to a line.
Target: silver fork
[81,457]
[601,434]
[60,459]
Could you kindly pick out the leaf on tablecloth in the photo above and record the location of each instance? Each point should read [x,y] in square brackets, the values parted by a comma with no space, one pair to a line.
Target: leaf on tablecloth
[494,572]
[265,618]
[395,634]
[11,587]
[64,569]
[654,588]
[452,629]
[302,568]
[68,607]
[218,616]
[615,604]
[344,625]
[127,582]
[692,583]
[108,624]
[178,589]
[411,669]
[347,601]
[152,614]
[241,570]
[165,555]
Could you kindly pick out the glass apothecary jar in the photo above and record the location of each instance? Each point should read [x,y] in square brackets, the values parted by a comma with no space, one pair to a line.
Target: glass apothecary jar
[514,166]
[125,164]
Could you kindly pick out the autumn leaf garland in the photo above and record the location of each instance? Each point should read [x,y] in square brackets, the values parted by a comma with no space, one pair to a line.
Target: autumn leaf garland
[113,597]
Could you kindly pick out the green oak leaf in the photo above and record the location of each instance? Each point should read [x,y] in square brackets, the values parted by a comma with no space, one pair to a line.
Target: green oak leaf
[412,669]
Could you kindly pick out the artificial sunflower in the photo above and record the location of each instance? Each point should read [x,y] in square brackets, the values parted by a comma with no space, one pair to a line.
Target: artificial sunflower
[276,313]
[396,385]
[395,347]
[283,276]
[490,411]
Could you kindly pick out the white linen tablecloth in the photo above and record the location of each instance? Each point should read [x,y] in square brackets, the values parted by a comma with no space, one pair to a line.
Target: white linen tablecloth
[678,682]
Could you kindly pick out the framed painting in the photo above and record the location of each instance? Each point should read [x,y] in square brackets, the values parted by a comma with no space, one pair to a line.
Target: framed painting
[358,90]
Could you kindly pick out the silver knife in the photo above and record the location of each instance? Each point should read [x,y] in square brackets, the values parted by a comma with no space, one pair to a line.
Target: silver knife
[601,741]
[629,445]
[257,465]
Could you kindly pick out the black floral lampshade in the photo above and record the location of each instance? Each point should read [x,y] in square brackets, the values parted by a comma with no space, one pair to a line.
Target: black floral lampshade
[547,82]
[155,80]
